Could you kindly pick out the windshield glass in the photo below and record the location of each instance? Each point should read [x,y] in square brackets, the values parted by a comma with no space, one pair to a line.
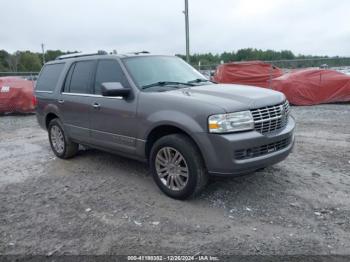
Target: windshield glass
[160,71]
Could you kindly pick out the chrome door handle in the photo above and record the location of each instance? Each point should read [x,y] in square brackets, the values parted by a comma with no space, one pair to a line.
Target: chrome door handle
[96,105]
[61,101]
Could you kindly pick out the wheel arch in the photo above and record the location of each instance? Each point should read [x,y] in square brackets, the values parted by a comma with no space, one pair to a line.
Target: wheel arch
[164,130]
[48,118]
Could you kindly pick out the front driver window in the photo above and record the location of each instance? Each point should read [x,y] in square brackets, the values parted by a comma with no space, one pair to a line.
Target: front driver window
[109,71]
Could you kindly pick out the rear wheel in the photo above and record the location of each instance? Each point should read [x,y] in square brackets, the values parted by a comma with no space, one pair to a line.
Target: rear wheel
[60,143]
[177,166]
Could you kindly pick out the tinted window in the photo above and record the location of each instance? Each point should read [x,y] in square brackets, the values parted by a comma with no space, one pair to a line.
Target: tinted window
[109,71]
[49,77]
[81,77]
[68,78]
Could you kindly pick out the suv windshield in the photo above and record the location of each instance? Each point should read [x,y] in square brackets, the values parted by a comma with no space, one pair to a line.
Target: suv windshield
[161,71]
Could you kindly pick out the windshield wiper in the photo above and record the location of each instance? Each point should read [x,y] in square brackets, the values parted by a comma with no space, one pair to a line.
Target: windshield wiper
[198,80]
[166,83]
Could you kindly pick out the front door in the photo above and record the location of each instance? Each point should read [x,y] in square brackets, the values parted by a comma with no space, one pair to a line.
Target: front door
[113,122]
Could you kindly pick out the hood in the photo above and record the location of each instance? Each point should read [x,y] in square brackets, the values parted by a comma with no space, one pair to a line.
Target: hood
[232,97]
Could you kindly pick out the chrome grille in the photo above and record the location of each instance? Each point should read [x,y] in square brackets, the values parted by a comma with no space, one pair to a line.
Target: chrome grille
[271,118]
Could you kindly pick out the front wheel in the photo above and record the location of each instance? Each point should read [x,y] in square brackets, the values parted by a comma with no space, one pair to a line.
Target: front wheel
[60,143]
[177,166]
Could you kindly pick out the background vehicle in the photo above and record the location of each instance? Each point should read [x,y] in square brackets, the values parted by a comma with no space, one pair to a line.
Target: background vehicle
[161,110]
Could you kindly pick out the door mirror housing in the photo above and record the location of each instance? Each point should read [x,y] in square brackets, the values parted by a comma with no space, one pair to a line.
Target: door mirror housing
[114,89]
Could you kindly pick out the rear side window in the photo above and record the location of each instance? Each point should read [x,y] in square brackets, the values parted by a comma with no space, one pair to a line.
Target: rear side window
[68,78]
[109,71]
[49,77]
[79,77]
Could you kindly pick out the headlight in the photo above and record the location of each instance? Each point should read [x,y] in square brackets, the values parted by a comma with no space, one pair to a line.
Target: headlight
[232,122]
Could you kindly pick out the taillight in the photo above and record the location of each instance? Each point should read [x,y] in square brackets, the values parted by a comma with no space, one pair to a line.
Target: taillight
[34,101]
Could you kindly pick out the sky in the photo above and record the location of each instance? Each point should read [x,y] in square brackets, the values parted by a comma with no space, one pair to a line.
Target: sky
[312,27]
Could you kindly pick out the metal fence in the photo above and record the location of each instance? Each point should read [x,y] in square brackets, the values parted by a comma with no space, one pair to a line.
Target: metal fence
[24,75]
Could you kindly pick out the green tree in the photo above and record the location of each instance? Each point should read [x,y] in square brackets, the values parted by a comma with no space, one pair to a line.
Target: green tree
[4,66]
[228,56]
[13,61]
[53,54]
[29,61]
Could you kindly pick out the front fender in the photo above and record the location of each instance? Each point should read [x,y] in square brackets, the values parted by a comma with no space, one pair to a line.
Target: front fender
[171,118]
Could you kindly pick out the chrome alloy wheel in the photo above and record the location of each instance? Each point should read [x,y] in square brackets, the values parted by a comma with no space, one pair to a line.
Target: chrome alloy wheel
[171,168]
[57,139]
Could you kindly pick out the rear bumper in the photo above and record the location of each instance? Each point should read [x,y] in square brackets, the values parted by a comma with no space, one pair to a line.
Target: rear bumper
[240,153]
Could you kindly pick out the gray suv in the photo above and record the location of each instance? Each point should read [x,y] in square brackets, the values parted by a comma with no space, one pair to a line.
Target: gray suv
[160,110]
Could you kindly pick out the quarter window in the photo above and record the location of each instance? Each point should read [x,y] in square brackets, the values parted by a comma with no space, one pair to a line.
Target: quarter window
[49,77]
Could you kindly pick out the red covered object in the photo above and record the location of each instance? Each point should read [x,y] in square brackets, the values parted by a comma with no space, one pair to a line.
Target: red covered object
[16,95]
[313,86]
[254,73]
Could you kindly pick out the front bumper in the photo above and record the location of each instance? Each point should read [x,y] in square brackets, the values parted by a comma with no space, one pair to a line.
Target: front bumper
[223,153]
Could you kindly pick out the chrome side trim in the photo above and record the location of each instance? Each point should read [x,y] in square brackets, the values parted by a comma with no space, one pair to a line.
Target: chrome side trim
[43,91]
[84,128]
[106,132]
[92,95]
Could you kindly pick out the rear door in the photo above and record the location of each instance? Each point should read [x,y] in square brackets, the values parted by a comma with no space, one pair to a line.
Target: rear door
[113,123]
[75,101]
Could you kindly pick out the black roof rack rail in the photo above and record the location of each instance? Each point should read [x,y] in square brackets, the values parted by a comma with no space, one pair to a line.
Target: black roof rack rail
[139,52]
[99,52]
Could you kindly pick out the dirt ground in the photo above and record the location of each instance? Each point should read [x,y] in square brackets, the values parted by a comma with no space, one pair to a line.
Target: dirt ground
[98,203]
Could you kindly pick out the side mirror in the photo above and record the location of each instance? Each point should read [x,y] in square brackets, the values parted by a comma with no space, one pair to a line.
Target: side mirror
[114,89]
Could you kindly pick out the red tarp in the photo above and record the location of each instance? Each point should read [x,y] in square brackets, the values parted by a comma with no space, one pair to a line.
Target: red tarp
[313,86]
[16,95]
[254,73]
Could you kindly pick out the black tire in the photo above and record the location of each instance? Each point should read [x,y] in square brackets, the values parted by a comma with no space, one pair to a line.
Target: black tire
[197,175]
[70,148]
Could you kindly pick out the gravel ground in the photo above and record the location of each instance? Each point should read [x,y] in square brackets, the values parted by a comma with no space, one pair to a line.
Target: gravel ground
[98,203]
